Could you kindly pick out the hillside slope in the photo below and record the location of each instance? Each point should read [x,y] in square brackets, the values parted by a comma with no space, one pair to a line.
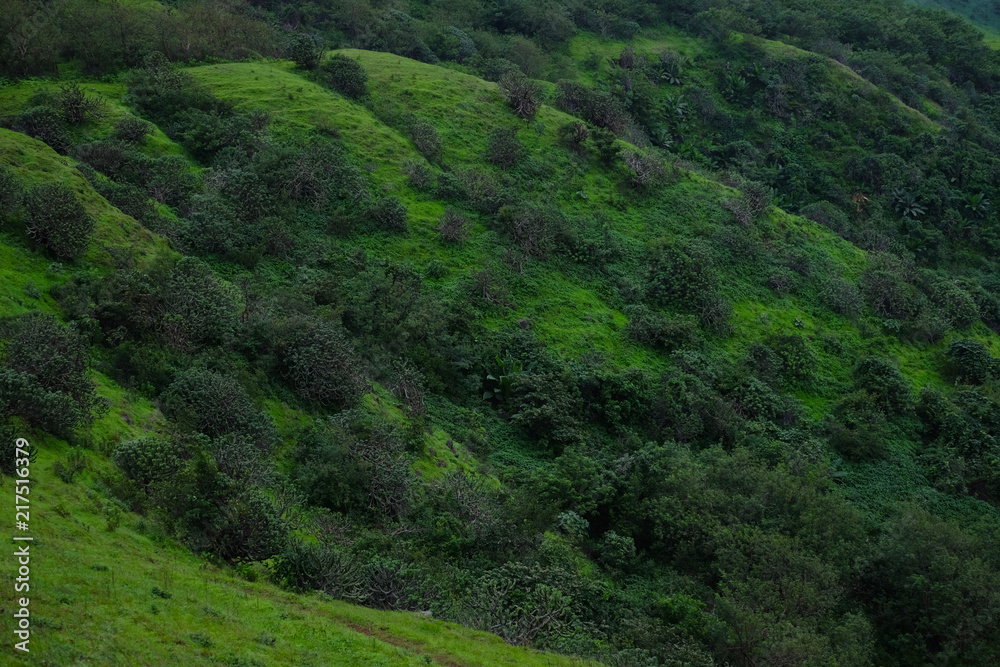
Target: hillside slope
[692,362]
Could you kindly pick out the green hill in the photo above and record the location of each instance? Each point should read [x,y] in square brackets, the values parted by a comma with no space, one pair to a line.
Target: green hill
[510,335]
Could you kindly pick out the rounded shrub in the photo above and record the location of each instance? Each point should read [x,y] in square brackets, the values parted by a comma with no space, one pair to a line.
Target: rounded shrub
[345,75]
[216,405]
[881,379]
[970,361]
[147,460]
[57,220]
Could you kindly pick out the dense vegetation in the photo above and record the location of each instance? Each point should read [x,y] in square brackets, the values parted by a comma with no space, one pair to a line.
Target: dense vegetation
[659,345]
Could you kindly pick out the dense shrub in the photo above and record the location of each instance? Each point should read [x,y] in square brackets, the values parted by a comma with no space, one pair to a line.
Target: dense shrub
[798,361]
[75,106]
[44,375]
[57,220]
[426,138]
[345,75]
[321,365]
[327,471]
[453,226]
[11,192]
[216,405]
[200,308]
[304,50]
[503,148]
[249,528]
[970,361]
[45,124]
[387,214]
[132,130]
[881,379]
[680,277]
[148,459]
[522,94]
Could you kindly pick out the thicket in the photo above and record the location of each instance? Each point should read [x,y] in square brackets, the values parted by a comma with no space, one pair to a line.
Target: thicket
[695,510]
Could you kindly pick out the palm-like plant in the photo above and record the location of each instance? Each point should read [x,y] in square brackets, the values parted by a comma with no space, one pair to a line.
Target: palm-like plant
[907,204]
[977,203]
[503,376]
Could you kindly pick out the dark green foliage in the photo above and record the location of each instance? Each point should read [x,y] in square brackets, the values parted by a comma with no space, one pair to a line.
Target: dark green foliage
[10,192]
[881,379]
[546,404]
[658,330]
[798,361]
[453,226]
[957,304]
[856,427]
[503,149]
[574,133]
[327,471]
[43,374]
[199,307]
[321,365]
[523,95]
[247,528]
[426,139]
[305,50]
[216,405]
[147,460]
[680,276]
[132,130]
[597,107]
[387,214]
[970,361]
[45,124]
[75,106]
[345,75]
[922,556]
[56,220]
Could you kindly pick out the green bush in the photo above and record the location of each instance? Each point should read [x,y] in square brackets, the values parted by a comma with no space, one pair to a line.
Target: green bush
[45,124]
[881,379]
[680,277]
[426,138]
[11,192]
[57,220]
[216,405]
[44,374]
[200,308]
[304,50]
[522,94]
[148,459]
[798,361]
[132,130]
[387,214]
[326,470]
[503,149]
[957,304]
[345,75]
[321,365]
[970,361]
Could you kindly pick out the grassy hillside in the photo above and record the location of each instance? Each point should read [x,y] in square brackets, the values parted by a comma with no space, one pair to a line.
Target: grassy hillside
[672,345]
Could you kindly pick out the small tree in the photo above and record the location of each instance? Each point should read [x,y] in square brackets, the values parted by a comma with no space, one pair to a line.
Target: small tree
[57,220]
[132,130]
[523,95]
[452,227]
[304,50]
[504,149]
[345,75]
[426,139]
[645,168]
[574,132]
[75,106]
